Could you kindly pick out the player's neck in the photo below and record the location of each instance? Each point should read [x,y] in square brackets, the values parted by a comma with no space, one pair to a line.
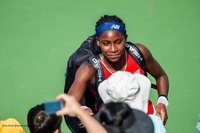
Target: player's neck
[120,65]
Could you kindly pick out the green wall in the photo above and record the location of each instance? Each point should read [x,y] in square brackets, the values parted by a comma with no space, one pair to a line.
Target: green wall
[37,37]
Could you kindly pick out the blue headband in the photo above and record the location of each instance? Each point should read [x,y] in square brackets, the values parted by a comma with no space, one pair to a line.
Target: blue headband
[110,26]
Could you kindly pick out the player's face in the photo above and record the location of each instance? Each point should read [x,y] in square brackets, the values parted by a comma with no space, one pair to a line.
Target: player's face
[112,45]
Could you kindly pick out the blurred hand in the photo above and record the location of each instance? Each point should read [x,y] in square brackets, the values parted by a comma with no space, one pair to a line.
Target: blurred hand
[87,110]
[71,105]
[162,111]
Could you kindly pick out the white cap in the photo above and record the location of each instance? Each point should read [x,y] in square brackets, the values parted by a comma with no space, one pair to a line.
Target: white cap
[134,89]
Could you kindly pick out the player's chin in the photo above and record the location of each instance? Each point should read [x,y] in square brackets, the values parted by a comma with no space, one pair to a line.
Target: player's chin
[114,59]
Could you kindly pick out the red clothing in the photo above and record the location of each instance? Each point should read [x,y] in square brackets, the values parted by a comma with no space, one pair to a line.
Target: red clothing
[133,67]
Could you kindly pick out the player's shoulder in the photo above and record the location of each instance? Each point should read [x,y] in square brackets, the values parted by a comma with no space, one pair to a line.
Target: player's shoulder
[144,50]
[142,47]
[139,44]
[86,65]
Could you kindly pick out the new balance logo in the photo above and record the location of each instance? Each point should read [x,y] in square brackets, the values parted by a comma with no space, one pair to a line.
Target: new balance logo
[114,26]
[137,71]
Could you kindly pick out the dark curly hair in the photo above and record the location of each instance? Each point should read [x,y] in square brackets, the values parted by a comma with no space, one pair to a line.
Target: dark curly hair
[106,18]
[109,18]
[40,122]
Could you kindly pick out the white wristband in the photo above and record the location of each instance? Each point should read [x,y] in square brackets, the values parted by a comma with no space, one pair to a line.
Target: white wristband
[163,100]
[84,107]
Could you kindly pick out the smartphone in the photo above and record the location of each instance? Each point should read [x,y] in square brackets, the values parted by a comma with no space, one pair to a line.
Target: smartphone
[53,106]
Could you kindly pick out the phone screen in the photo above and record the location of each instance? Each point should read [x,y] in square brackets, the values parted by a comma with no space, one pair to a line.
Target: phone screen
[53,107]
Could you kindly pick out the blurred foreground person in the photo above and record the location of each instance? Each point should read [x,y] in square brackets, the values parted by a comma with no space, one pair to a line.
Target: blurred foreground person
[10,125]
[40,122]
[73,108]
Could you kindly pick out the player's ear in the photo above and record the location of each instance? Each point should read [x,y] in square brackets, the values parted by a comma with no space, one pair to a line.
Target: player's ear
[126,38]
[97,41]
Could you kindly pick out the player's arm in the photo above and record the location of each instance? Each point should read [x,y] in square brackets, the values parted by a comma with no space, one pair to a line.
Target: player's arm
[154,68]
[84,76]
[162,82]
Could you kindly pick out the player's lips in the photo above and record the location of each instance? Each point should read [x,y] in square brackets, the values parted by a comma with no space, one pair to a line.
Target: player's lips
[114,56]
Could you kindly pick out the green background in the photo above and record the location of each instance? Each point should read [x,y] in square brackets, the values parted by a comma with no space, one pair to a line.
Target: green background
[37,37]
